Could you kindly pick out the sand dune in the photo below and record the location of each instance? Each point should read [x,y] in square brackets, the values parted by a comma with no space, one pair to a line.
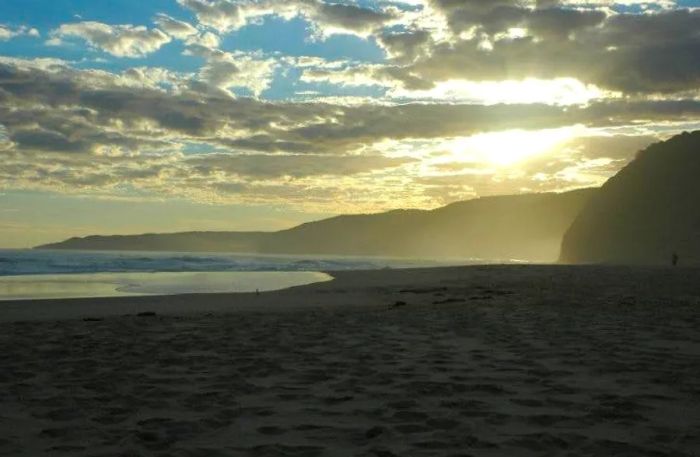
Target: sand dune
[482,361]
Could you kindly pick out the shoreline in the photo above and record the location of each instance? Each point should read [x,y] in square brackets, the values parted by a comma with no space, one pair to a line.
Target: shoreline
[353,289]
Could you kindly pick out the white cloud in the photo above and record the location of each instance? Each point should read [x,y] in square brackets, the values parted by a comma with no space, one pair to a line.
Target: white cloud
[175,28]
[8,33]
[559,91]
[206,39]
[328,18]
[225,15]
[118,40]
[228,70]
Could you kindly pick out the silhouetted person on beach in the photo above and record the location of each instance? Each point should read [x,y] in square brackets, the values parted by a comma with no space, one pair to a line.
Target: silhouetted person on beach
[674,259]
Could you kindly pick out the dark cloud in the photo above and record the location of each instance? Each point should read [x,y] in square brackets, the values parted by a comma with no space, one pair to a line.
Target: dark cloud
[348,17]
[631,53]
[46,140]
[406,46]
[275,166]
[118,115]
[546,19]
[226,15]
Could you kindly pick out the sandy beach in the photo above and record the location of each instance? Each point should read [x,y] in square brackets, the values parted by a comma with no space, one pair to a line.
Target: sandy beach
[472,361]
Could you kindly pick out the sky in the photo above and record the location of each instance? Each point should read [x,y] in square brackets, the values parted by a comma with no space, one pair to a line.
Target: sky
[133,116]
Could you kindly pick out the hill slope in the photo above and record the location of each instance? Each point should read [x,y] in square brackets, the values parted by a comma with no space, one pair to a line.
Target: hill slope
[646,212]
[527,227]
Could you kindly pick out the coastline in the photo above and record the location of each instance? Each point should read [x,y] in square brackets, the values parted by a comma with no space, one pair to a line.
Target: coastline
[362,289]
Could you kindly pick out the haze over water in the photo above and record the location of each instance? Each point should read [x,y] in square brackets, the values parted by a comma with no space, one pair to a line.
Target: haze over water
[37,274]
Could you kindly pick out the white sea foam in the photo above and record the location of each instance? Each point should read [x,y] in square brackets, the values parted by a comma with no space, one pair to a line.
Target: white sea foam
[35,274]
[27,262]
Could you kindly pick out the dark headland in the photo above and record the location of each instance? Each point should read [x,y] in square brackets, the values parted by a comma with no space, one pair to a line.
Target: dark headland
[481,228]
[646,213]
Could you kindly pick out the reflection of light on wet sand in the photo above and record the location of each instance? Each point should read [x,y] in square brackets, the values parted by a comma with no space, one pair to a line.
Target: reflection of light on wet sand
[130,284]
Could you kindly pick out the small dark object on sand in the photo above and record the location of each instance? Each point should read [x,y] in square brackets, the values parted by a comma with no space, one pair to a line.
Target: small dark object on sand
[674,259]
[399,304]
[92,319]
[448,300]
[383,453]
[146,314]
[147,436]
[374,432]
[423,290]
[337,400]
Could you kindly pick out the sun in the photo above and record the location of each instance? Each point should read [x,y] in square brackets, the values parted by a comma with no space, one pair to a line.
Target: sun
[510,147]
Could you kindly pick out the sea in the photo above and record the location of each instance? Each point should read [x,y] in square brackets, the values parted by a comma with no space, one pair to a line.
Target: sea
[27,274]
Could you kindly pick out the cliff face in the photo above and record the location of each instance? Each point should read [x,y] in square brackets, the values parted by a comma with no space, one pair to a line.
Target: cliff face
[645,213]
[526,227]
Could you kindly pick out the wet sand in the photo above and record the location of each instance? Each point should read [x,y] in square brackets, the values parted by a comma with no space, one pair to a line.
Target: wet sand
[480,361]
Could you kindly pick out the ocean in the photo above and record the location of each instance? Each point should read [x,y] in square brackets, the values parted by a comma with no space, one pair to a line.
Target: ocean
[42,274]
[34,262]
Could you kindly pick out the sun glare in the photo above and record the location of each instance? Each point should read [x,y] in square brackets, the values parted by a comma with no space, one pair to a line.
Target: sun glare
[560,91]
[508,148]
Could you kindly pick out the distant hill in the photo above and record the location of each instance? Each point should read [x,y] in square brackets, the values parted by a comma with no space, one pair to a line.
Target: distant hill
[646,212]
[525,227]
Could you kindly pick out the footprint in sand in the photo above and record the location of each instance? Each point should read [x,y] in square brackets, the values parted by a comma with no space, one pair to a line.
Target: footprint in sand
[271,430]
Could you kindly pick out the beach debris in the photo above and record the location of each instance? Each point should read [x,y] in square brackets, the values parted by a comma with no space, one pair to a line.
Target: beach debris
[399,304]
[336,400]
[423,290]
[146,314]
[481,297]
[147,436]
[448,300]
[498,292]
[383,453]
[374,432]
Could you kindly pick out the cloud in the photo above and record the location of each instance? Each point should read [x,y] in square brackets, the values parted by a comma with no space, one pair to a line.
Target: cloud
[8,33]
[631,53]
[118,40]
[175,28]
[226,70]
[94,133]
[204,39]
[223,15]
[316,127]
[227,15]
[543,18]
[298,166]
[618,73]
[336,17]
[405,46]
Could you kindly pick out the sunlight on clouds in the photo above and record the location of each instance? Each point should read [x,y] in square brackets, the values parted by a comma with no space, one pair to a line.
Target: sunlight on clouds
[508,148]
[561,91]
[587,173]
[5,142]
